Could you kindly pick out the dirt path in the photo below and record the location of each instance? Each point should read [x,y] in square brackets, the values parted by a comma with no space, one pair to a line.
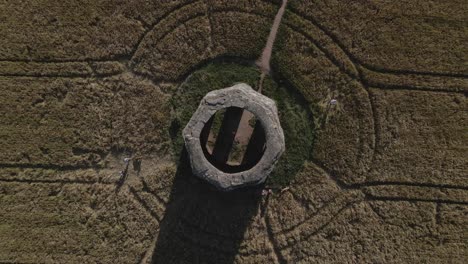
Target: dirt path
[244,130]
[264,61]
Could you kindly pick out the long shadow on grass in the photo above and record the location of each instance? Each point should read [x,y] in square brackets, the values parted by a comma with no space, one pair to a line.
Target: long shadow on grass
[201,224]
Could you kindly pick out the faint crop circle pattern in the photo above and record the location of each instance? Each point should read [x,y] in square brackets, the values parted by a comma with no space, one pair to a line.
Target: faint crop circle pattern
[344,143]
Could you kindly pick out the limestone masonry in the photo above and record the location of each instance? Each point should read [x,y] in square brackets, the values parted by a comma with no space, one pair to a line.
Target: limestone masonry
[264,108]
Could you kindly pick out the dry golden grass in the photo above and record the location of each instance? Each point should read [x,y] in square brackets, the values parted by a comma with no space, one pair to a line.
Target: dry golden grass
[84,84]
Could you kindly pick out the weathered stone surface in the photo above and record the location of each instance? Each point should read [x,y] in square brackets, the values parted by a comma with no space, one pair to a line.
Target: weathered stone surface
[243,96]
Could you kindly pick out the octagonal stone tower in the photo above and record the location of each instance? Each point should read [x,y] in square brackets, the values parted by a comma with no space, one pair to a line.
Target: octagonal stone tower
[263,108]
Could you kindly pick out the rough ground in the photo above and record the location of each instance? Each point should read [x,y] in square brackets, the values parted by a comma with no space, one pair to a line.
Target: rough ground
[84,84]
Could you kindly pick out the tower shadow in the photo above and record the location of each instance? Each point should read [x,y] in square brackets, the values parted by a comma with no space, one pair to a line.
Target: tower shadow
[202,224]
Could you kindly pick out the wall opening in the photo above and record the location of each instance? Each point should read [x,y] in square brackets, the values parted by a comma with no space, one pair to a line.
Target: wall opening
[233,140]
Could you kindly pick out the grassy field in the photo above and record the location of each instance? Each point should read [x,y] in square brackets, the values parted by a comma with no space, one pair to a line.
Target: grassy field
[377,177]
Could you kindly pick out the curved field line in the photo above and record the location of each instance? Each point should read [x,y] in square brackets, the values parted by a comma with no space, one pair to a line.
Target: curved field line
[29,181]
[146,189]
[329,212]
[64,75]
[310,216]
[115,57]
[143,203]
[402,199]
[298,30]
[358,186]
[327,54]
[167,31]
[48,167]
[271,237]
[310,19]
[315,43]
[415,184]
[59,76]
[332,37]
[364,64]
[325,207]
[410,87]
